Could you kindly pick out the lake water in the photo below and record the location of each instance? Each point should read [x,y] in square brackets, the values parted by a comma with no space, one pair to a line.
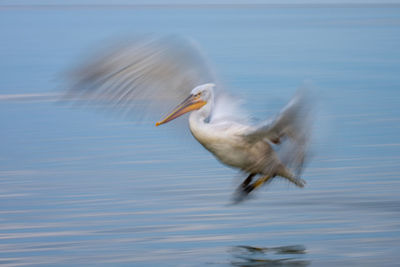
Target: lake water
[80,187]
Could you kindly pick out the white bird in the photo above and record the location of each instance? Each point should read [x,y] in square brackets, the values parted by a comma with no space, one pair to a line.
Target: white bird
[155,72]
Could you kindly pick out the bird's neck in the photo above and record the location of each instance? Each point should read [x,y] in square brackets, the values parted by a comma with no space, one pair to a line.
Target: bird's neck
[203,114]
[198,122]
[196,118]
[199,117]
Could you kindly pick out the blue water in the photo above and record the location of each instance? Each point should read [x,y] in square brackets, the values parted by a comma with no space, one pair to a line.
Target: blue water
[80,187]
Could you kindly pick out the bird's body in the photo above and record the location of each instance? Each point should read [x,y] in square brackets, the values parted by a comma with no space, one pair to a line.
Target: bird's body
[161,71]
[226,141]
[239,145]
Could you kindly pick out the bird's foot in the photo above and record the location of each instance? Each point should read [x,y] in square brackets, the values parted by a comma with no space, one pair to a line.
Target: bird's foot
[247,181]
[243,191]
[261,181]
[242,194]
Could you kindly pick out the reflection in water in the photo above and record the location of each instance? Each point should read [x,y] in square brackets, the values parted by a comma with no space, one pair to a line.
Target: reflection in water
[276,256]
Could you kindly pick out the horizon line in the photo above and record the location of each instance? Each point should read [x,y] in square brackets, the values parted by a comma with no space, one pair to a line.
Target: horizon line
[205,5]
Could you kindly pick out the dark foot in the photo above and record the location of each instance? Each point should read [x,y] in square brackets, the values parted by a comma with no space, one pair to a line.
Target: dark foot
[244,189]
[248,180]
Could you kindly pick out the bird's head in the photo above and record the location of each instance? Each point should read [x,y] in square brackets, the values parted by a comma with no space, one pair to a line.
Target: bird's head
[200,96]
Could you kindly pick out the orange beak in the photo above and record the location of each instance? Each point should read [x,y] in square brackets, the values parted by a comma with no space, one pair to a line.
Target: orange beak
[189,104]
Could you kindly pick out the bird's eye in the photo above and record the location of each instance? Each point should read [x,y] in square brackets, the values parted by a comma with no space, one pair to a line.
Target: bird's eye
[198,94]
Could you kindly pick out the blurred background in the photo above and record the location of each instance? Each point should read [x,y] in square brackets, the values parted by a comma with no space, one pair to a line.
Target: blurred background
[80,187]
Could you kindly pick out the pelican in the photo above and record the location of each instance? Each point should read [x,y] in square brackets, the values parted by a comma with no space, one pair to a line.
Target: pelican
[154,72]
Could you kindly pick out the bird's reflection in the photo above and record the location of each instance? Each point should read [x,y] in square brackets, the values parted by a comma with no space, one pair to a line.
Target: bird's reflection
[244,256]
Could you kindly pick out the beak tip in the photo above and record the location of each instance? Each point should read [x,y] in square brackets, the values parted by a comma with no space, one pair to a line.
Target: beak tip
[157,124]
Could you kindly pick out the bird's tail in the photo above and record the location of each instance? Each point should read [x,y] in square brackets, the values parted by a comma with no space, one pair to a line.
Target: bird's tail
[286,173]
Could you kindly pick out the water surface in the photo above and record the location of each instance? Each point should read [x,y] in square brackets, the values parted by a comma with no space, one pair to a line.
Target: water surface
[80,187]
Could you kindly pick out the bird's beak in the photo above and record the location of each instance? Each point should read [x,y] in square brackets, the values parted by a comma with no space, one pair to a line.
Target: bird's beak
[189,104]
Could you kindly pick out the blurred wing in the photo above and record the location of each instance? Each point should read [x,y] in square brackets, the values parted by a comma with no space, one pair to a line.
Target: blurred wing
[156,72]
[228,108]
[291,129]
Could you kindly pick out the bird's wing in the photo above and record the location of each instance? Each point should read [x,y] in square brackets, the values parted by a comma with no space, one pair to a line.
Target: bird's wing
[228,108]
[148,73]
[292,121]
[291,129]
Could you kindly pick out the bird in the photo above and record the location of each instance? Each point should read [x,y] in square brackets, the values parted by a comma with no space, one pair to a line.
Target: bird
[155,72]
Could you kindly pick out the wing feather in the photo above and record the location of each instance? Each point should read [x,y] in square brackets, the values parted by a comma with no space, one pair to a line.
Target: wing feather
[148,73]
[291,129]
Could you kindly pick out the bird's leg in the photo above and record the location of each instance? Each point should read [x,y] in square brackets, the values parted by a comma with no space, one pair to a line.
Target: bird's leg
[248,180]
[241,191]
[259,182]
